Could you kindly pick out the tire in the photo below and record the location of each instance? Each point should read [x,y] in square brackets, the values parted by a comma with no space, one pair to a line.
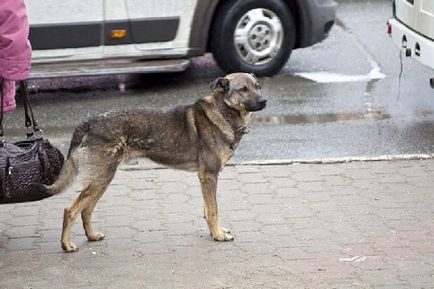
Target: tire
[263,47]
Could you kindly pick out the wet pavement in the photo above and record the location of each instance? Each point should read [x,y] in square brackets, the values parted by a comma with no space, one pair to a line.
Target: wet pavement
[338,98]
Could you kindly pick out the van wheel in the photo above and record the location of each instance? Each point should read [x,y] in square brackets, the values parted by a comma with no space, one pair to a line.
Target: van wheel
[253,36]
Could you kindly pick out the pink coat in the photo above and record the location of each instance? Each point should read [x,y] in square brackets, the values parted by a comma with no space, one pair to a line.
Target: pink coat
[15,49]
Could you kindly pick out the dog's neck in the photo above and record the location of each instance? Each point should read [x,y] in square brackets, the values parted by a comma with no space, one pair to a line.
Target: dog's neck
[232,122]
[237,119]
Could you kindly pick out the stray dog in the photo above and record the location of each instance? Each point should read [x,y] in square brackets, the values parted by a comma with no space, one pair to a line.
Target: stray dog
[200,137]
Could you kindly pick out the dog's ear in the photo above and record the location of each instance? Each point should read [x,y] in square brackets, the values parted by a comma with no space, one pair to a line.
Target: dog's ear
[221,84]
[257,80]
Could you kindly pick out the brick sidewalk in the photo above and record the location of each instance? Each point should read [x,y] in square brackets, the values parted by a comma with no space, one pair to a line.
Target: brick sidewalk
[352,225]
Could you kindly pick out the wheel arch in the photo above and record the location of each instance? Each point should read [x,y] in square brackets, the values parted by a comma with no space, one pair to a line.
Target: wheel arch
[201,25]
[298,10]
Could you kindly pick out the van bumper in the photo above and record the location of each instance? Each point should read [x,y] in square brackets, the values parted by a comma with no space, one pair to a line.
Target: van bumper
[418,46]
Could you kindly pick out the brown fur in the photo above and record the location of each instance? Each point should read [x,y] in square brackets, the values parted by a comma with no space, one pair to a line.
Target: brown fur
[199,137]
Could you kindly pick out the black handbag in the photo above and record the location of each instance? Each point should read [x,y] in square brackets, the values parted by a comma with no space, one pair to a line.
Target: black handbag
[28,162]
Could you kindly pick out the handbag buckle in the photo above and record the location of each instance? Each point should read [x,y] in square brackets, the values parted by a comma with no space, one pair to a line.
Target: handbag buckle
[37,133]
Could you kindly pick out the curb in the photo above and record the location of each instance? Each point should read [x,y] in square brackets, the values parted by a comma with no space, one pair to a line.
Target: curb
[336,160]
[408,157]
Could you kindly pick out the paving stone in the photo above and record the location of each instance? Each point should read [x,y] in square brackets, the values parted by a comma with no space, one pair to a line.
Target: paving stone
[292,223]
[383,278]
[279,182]
[313,186]
[21,243]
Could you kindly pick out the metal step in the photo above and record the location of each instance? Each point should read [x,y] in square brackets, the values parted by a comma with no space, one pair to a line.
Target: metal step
[107,67]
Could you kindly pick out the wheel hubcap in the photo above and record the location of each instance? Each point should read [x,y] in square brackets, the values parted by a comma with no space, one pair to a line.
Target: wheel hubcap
[258,36]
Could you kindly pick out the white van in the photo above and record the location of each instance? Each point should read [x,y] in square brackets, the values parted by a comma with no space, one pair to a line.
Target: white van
[94,37]
[412,29]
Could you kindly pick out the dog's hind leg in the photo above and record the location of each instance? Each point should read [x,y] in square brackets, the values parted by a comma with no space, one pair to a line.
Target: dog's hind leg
[70,215]
[95,187]
[86,217]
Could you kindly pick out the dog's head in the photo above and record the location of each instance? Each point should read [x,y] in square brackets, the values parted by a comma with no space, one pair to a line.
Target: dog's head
[240,91]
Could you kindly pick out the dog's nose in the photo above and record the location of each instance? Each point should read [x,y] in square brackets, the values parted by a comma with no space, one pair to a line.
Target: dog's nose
[263,102]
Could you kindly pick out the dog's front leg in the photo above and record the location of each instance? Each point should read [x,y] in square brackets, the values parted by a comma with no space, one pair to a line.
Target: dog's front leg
[208,182]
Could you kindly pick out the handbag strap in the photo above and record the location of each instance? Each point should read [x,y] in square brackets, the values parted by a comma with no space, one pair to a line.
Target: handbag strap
[2,87]
[28,111]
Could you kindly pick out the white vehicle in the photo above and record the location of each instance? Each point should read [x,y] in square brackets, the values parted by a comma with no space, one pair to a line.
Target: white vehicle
[93,37]
[412,29]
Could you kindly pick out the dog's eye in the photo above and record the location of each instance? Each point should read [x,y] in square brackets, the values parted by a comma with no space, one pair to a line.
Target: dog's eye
[244,89]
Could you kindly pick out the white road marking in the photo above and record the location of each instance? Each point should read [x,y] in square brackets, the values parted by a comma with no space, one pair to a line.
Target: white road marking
[331,77]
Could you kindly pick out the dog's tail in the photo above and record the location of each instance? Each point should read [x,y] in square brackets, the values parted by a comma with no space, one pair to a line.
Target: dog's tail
[77,137]
[70,168]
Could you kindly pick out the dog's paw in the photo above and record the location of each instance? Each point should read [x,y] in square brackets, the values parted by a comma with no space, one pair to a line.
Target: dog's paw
[69,247]
[223,236]
[95,237]
[225,230]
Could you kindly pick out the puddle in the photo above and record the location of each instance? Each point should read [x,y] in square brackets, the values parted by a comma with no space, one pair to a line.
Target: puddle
[256,120]
[316,118]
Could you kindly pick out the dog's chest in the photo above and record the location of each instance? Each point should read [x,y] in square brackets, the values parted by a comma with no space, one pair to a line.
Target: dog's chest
[226,155]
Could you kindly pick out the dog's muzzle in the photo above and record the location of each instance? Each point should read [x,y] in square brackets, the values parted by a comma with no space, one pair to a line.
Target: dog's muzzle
[259,104]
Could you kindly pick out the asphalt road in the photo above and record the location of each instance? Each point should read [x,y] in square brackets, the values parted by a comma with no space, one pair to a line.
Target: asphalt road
[339,98]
